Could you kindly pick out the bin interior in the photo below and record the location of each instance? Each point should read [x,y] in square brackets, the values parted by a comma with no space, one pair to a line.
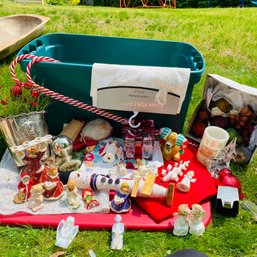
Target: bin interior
[77,53]
[83,49]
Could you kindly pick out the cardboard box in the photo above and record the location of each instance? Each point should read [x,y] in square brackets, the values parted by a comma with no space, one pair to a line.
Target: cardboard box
[236,97]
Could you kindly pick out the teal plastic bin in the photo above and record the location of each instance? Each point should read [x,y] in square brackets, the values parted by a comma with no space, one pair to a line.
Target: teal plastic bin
[77,53]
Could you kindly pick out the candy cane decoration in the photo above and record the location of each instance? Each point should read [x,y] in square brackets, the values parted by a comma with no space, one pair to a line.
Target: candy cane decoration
[58,96]
[14,63]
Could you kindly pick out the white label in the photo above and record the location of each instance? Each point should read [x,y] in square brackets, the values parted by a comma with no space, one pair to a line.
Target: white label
[135,99]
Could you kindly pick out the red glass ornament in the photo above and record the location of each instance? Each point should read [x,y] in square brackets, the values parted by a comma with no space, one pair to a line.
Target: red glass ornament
[16,90]
[231,181]
[34,93]
[225,172]
[27,85]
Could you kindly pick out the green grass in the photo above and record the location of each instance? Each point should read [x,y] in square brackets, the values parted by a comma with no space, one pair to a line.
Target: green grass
[227,40]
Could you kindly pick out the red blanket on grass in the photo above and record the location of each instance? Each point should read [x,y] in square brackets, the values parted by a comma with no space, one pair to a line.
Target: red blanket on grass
[202,189]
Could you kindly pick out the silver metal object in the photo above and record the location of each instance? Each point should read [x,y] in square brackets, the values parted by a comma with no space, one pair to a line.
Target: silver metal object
[23,128]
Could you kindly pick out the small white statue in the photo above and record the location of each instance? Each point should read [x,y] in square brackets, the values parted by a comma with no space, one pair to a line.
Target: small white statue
[184,185]
[72,197]
[117,233]
[122,169]
[178,170]
[66,232]
[169,167]
[184,165]
[181,222]
[196,226]
[172,175]
[36,200]
[142,168]
[164,172]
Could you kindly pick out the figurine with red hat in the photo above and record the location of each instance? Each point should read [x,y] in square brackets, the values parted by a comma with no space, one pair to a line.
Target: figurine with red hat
[93,132]
[53,187]
[24,187]
[33,166]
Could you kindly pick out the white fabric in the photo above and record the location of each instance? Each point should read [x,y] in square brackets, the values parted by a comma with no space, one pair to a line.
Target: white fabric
[166,79]
[234,96]
[9,180]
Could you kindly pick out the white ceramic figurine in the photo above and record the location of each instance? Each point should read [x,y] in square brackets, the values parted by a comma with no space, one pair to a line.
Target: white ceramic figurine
[66,232]
[117,233]
[72,196]
[36,200]
[196,225]
[181,222]
[184,185]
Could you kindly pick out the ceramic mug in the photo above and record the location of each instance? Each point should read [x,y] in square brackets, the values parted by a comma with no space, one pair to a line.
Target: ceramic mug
[214,139]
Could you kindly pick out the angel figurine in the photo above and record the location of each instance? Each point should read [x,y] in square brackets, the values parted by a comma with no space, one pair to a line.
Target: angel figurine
[36,200]
[121,202]
[117,233]
[66,232]
[181,222]
[184,185]
[196,226]
[72,196]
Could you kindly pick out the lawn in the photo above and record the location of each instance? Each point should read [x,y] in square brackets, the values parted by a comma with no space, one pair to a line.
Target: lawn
[227,39]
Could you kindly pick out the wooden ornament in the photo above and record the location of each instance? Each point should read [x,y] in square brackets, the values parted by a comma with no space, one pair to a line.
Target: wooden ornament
[148,184]
[135,187]
[170,194]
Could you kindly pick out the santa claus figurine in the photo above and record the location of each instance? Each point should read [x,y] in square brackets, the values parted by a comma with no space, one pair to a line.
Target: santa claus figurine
[33,166]
[93,132]
[24,187]
[52,184]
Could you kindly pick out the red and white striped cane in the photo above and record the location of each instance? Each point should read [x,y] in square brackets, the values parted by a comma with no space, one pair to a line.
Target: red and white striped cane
[58,96]
[14,63]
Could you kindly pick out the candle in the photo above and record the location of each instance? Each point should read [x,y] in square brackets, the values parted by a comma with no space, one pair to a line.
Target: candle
[214,139]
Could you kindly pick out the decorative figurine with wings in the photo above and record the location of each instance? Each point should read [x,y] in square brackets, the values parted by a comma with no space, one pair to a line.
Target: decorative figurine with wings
[66,232]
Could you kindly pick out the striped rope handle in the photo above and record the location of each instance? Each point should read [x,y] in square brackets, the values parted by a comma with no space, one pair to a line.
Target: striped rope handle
[58,96]
[14,63]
